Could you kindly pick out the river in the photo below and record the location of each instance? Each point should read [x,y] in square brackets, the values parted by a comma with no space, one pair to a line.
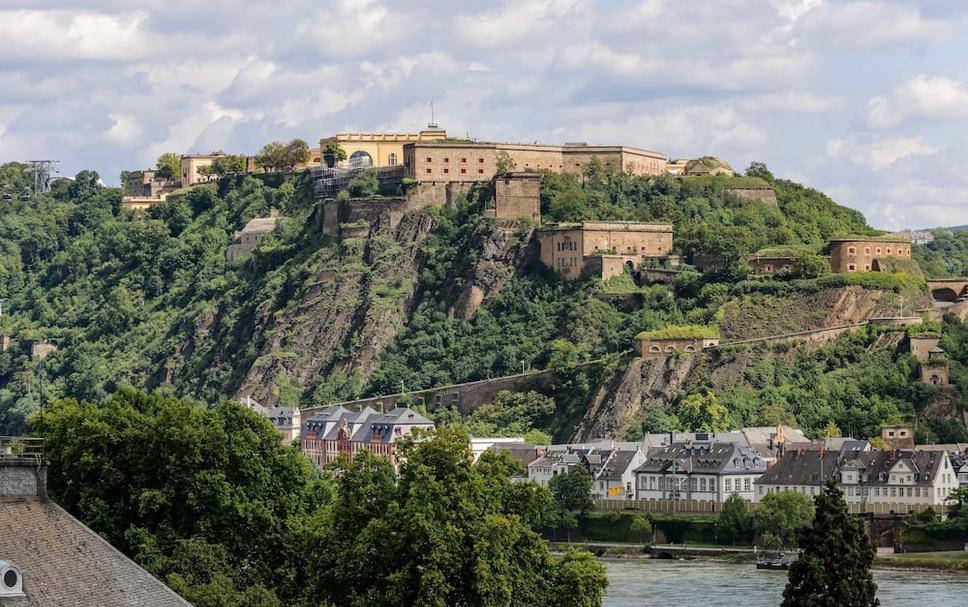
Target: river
[647,582]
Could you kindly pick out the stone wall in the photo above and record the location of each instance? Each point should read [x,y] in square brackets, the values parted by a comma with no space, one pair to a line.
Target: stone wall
[768,266]
[22,479]
[466,397]
[815,336]
[921,345]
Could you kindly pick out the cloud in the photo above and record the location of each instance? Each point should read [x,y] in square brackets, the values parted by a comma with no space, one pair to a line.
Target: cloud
[878,154]
[126,130]
[924,96]
[857,25]
[793,102]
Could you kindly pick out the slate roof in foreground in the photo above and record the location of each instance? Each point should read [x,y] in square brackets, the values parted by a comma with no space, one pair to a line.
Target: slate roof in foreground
[66,564]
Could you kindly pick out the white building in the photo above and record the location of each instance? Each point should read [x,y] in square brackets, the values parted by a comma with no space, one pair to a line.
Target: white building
[699,471]
[612,466]
[287,421]
[892,479]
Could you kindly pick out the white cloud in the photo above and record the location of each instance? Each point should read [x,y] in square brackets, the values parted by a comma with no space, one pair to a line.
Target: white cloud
[854,25]
[804,102]
[935,97]
[125,131]
[878,154]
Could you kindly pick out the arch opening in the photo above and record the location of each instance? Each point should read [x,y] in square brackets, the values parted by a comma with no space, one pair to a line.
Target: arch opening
[360,160]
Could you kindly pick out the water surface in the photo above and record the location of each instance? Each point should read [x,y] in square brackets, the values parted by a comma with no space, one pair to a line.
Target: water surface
[646,582]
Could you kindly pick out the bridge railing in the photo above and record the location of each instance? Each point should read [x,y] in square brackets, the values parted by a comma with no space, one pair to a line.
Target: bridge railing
[21,448]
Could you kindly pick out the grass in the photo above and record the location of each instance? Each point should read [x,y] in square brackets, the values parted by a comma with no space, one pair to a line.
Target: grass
[681,332]
[956,560]
[620,285]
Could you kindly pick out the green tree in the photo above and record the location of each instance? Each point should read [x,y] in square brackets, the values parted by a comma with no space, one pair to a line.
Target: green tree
[297,152]
[447,532]
[573,489]
[537,437]
[830,430]
[704,413]
[783,515]
[505,164]
[579,580]
[225,165]
[333,154]
[958,502]
[734,525]
[364,185]
[272,156]
[168,166]
[810,265]
[641,525]
[758,169]
[835,559]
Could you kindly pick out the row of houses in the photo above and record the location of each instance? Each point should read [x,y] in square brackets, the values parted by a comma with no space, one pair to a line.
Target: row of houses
[712,467]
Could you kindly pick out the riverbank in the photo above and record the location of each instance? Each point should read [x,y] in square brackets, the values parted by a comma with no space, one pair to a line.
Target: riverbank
[621,550]
[939,561]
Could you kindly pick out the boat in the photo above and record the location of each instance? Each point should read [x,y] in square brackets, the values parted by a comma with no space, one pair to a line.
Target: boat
[775,560]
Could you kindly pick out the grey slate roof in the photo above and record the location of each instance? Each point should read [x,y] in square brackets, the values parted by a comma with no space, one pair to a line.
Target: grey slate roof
[801,468]
[708,458]
[367,425]
[66,564]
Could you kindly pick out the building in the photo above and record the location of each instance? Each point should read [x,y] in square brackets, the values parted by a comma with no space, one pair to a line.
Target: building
[141,203]
[516,196]
[702,471]
[877,480]
[707,165]
[963,475]
[898,437]
[676,168]
[769,442]
[611,465]
[922,344]
[867,253]
[48,558]
[250,237]
[144,184]
[683,339]
[608,247]
[934,371]
[446,161]
[378,149]
[336,431]
[191,165]
[288,422]
[41,349]
[772,261]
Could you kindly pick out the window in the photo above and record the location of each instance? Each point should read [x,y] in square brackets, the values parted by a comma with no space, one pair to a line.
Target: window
[446,170]
[746,484]
[867,250]
[655,349]
[851,268]
[429,159]
[480,171]
[463,161]
[867,267]
[480,160]
[888,251]
[878,250]
[428,170]
[392,159]
[463,170]
[446,159]
[851,251]
[729,483]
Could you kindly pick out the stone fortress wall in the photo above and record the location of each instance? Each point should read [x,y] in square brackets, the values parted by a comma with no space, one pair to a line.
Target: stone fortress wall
[859,254]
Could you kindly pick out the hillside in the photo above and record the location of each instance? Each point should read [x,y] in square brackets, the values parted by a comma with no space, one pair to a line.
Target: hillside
[427,297]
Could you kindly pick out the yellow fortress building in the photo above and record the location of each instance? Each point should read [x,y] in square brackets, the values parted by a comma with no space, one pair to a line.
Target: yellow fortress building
[379,149]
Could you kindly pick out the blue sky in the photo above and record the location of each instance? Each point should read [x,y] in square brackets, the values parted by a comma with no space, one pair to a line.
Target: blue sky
[866,101]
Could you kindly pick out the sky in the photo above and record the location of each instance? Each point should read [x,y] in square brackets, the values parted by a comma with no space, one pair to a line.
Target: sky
[866,101]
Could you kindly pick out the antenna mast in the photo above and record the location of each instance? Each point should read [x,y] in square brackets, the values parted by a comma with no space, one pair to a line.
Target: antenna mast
[41,171]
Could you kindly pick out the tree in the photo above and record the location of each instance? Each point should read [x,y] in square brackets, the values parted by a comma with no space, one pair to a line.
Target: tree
[758,169]
[783,515]
[333,154]
[505,164]
[775,414]
[835,559]
[446,532]
[831,431]
[85,184]
[810,265]
[641,525]
[573,489]
[734,525]
[228,164]
[272,156]
[537,437]
[297,152]
[704,413]
[579,580]
[168,166]
[365,185]
[958,499]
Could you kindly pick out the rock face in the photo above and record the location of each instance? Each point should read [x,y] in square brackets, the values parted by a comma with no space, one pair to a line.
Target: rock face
[643,385]
[345,304]
[502,253]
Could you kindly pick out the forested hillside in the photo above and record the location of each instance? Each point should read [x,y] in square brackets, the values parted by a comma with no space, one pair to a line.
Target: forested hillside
[441,295]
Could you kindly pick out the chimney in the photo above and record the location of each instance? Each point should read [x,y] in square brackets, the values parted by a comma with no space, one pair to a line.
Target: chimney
[23,468]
